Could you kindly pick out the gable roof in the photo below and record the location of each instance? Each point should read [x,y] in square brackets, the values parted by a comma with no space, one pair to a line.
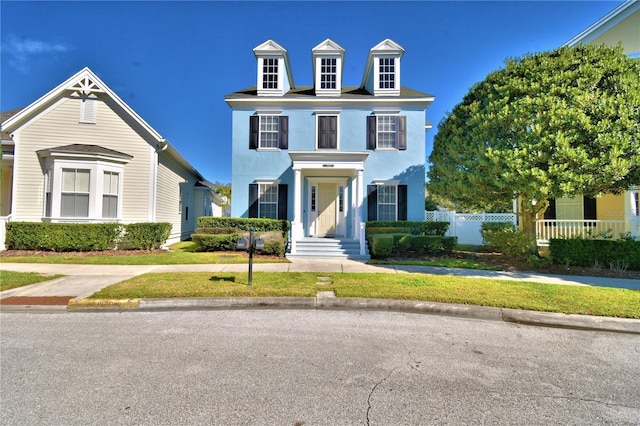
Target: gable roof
[270,47]
[86,82]
[607,22]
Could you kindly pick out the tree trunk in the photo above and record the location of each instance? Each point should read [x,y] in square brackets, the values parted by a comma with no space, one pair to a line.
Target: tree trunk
[529,214]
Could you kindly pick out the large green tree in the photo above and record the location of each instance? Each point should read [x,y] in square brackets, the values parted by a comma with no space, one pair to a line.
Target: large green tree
[547,125]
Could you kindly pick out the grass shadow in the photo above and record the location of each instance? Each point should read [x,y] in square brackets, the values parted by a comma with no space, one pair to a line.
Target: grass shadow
[228,278]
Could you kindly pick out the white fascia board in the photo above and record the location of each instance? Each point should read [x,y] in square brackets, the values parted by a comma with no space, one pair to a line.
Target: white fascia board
[334,101]
[604,24]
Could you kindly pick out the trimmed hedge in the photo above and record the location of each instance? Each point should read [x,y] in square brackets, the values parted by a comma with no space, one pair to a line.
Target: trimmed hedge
[209,230]
[422,244]
[244,224]
[145,236]
[216,242]
[85,236]
[585,252]
[389,230]
[381,245]
[415,228]
[62,236]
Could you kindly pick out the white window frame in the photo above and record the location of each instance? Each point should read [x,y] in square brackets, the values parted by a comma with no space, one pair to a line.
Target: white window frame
[76,191]
[109,192]
[261,192]
[278,75]
[377,80]
[261,123]
[333,74]
[53,181]
[379,123]
[387,184]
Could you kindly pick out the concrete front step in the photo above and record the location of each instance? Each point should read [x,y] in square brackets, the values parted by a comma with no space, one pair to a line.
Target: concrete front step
[328,248]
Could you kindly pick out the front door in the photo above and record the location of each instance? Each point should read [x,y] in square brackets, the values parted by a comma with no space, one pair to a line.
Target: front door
[327,209]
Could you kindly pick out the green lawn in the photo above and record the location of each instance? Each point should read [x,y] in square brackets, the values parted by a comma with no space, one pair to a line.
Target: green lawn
[446,289]
[442,263]
[10,279]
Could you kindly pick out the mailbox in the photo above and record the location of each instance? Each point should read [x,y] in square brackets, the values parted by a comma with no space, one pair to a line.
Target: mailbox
[243,243]
[259,244]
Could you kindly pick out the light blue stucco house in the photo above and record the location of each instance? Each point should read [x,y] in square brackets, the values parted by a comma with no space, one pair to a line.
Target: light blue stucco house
[329,157]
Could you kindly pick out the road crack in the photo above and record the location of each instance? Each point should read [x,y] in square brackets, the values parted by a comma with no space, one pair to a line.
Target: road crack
[374,389]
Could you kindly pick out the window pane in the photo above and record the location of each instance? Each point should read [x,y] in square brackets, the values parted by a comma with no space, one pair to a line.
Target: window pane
[68,180]
[109,206]
[82,181]
[387,131]
[74,205]
[387,202]
[269,127]
[268,201]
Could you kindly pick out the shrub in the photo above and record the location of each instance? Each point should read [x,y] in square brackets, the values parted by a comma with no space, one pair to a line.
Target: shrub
[381,245]
[145,235]
[216,242]
[62,236]
[259,225]
[387,230]
[415,228]
[505,238]
[585,252]
[274,243]
[422,244]
[211,230]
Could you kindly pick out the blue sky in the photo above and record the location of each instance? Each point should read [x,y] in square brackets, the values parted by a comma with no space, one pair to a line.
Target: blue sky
[173,62]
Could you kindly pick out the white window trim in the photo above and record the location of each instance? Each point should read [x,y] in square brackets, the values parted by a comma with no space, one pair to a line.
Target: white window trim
[280,80]
[376,76]
[386,148]
[96,182]
[262,114]
[318,83]
[329,114]
[261,184]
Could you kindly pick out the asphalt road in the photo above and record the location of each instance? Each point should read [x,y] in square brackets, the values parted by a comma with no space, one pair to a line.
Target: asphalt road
[286,367]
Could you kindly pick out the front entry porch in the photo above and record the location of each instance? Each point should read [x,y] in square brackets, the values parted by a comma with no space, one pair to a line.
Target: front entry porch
[328,195]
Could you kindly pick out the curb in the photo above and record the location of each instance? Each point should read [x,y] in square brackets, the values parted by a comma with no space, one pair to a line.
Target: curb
[325,302]
[78,303]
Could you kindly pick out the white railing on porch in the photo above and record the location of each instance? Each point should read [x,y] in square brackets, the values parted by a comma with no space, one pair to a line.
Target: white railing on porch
[596,229]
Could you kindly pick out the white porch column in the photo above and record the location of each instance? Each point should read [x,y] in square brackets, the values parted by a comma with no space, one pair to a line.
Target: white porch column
[359,210]
[296,224]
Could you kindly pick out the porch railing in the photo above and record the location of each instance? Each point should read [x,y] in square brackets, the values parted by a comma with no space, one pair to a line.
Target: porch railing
[596,229]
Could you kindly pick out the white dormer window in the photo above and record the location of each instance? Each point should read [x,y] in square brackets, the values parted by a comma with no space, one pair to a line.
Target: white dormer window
[328,73]
[328,60]
[382,72]
[270,73]
[387,73]
[274,72]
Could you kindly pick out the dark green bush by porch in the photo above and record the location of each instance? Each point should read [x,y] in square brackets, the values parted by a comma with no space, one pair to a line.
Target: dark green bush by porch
[244,224]
[145,236]
[506,239]
[588,252]
[62,236]
[381,245]
[414,228]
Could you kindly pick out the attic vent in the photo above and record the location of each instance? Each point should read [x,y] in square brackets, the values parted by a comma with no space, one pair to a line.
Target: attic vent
[88,110]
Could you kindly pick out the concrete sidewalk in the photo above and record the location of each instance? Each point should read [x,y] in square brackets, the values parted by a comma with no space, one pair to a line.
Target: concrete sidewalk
[81,281]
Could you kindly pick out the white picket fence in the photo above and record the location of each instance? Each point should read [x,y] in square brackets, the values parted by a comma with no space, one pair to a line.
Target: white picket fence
[468,226]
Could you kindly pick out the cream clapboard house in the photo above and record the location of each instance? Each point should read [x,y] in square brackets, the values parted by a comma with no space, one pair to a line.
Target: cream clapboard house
[612,215]
[80,154]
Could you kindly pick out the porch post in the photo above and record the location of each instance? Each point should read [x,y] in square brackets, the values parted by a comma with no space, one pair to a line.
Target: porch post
[359,201]
[296,224]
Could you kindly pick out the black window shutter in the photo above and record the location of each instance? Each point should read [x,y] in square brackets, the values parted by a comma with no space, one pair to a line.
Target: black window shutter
[283,133]
[372,202]
[371,132]
[282,201]
[589,208]
[327,132]
[550,213]
[402,132]
[322,132]
[333,132]
[253,200]
[402,202]
[254,131]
